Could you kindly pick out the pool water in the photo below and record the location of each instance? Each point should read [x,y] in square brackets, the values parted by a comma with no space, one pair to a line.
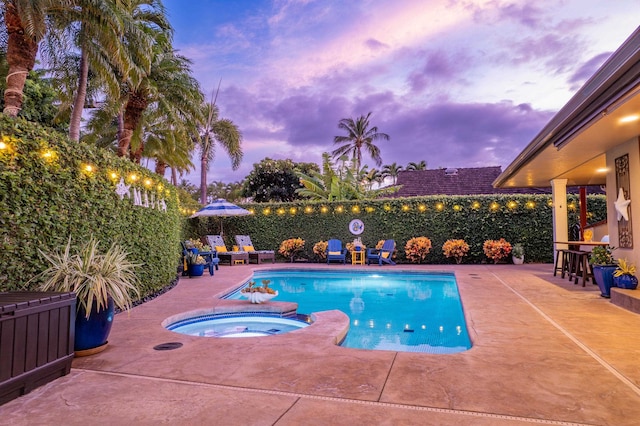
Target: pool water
[408,312]
[236,326]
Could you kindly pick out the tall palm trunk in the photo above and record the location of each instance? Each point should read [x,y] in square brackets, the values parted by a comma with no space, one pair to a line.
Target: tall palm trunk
[174,176]
[204,166]
[21,57]
[136,105]
[81,95]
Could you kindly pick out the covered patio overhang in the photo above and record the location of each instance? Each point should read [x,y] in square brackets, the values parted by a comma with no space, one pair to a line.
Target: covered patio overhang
[579,145]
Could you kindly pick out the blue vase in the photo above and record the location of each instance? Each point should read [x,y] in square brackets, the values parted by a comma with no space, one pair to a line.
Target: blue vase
[603,276]
[629,282]
[196,270]
[93,332]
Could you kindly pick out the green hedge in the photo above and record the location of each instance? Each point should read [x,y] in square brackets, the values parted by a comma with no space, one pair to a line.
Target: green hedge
[522,219]
[44,200]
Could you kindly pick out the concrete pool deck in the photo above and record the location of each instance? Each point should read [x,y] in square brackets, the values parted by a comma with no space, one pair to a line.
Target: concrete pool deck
[545,351]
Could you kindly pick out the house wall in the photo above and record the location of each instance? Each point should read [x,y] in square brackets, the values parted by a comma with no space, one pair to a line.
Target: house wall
[631,147]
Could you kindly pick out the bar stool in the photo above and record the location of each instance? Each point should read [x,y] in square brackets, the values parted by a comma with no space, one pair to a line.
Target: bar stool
[562,258]
[580,266]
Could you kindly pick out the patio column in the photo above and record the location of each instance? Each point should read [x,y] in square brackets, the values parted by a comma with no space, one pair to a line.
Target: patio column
[560,216]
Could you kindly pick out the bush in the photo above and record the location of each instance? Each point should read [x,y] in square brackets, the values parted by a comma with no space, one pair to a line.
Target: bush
[456,249]
[523,218]
[47,193]
[496,250]
[417,249]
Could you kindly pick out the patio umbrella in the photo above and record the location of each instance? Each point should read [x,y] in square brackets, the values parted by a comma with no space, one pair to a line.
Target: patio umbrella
[221,208]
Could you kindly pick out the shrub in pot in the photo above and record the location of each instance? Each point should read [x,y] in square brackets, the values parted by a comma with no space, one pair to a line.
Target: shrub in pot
[624,275]
[604,266]
[517,254]
[101,282]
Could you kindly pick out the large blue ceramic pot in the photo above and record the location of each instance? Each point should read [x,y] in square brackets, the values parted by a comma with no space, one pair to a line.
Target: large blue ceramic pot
[196,270]
[629,282]
[603,276]
[93,332]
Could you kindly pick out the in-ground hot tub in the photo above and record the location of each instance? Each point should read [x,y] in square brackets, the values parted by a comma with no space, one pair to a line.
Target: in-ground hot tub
[240,324]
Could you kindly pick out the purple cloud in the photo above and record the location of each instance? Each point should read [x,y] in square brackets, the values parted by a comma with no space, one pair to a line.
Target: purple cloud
[587,69]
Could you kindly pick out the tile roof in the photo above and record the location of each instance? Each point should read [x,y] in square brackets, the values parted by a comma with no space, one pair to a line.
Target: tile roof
[460,181]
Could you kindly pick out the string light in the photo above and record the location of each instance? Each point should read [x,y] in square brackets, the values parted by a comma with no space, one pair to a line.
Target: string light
[3,145]
[308,209]
[475,205]
[512,204]
[355,209]
[339,209]
[439,207]
[457,208]
[281,211]
[531,204]
[324,209]
[369,209]
[266,211]
[88,168]
[422,207]
[148,182]
[495,206]
[292,210]
[405,208]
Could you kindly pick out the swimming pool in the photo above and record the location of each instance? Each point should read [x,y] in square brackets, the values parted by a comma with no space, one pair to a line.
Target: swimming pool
[399,311]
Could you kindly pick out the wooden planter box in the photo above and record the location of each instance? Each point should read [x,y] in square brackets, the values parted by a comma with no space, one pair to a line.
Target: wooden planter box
[36,340]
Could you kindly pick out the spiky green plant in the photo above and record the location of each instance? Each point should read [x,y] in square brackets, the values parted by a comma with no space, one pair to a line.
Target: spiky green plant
[94,277]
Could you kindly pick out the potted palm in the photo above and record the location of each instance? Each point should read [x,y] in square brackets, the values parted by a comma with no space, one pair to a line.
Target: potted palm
[624,275]
[603,266]
[100,281]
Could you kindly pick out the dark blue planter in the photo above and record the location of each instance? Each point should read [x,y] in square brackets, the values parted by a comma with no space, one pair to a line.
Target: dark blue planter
[196,270]
[93,332]
[629,282]
[603,276]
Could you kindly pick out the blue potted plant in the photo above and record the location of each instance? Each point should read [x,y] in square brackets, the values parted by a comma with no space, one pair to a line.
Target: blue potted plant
[624,275]
[196,264]
[101,282]
[604,266]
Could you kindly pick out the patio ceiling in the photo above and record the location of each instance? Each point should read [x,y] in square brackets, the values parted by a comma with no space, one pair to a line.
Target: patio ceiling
[573,145]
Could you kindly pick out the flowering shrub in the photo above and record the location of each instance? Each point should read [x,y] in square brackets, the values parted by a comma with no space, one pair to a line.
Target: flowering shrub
[496,250]
[289,248]
[456,249]
[194,243]
[320,249]
[351,247]
[417,249]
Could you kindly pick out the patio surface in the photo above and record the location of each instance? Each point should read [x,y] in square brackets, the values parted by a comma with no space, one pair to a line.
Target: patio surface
[545,351]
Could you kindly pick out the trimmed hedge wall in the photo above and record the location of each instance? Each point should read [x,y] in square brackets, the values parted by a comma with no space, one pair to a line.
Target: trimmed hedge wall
[522,219]
[47,195]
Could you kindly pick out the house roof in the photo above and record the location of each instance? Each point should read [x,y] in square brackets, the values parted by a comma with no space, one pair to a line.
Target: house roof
[459,181]
[572,145]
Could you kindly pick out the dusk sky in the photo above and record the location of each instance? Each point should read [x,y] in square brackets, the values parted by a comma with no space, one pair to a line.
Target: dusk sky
[464,83]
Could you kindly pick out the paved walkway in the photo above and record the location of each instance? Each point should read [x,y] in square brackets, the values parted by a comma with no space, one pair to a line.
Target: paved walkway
[544,352]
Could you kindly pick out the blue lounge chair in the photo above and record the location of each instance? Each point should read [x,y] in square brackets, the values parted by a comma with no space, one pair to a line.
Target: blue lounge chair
[335,252]
[383,255]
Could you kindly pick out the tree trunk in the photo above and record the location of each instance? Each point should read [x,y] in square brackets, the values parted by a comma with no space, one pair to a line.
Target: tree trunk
[136,104]
[21,57]
[81,95]
[204,165]
[174,176]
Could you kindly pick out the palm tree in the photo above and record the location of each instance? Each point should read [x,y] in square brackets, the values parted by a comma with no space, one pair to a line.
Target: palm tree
[374,176]
[422,165]
[214,129]
[329,186]
[359,136]
[26,23]
[111,43]
[391,170]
